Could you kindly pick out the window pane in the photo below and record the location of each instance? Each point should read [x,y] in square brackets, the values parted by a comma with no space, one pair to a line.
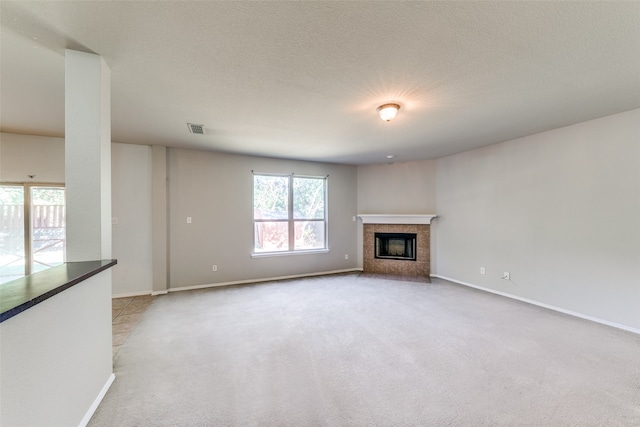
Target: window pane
[271,236]
[270,197]
[309,235]
[12,256]
[308,198]
[47,227]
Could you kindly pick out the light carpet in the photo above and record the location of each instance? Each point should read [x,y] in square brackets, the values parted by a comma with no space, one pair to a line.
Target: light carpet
[360,351]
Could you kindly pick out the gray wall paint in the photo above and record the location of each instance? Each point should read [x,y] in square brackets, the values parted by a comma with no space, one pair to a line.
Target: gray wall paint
[131,209]
[398,188]
[51,376]
[215,190]
[87,157]
[23,155]
[558,210]
[159,225]
[221,178]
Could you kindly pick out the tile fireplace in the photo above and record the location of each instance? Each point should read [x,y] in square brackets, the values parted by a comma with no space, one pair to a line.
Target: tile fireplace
[397,245]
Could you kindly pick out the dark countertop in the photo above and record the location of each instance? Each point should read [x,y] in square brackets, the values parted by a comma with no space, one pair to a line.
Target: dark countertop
[21,294]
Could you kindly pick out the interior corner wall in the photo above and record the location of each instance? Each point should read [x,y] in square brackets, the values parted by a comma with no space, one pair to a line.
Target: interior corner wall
[23,155]
[398,188]
[215,191]
[557,210]
[132,218]
[159,208]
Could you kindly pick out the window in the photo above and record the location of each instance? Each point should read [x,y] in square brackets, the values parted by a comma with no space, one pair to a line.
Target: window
[32,229]
[289,213]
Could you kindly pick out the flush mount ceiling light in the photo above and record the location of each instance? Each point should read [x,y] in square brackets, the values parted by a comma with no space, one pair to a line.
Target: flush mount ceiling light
[388,111]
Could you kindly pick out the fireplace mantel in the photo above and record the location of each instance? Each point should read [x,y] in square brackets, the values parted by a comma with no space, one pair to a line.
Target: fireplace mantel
[397,218]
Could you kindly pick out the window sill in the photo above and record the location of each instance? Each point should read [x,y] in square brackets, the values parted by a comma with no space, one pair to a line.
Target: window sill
[288,253]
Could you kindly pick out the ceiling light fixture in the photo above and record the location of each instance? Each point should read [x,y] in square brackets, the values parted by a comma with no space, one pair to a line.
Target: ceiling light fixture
[388,111]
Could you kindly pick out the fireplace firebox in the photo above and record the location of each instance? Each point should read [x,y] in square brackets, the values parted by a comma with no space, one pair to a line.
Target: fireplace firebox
[400,246]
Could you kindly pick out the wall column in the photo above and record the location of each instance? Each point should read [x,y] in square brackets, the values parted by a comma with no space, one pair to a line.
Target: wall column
[159,219]
[87,156]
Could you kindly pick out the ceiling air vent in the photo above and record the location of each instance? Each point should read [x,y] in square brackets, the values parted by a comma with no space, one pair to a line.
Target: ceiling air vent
[197,129]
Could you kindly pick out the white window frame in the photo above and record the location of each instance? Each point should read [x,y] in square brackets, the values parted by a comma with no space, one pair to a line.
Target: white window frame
[291,221]
[28,219]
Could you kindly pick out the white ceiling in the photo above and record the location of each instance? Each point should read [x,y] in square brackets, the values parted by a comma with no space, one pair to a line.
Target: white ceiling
[303,79]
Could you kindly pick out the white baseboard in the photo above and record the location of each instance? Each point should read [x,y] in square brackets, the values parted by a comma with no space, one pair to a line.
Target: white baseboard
[97,401]
[540,304]
[132,294]
[236,282]
[268,279]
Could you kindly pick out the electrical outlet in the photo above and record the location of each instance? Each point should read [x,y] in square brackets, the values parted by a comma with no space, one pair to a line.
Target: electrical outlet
[346,256]
[482,270]
[354,219]
[215,268]
[506,276]
[188,220]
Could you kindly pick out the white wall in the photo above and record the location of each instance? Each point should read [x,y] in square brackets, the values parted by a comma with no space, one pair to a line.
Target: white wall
[87,157]
[159,208]
[559,210]
[51,376]
[398,188]
[215,190]
[131,212]
[23,155]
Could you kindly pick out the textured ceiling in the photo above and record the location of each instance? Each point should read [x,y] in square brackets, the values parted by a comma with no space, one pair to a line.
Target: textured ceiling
[303,79]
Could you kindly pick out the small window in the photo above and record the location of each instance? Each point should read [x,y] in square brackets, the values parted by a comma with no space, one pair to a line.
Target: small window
[289,213]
